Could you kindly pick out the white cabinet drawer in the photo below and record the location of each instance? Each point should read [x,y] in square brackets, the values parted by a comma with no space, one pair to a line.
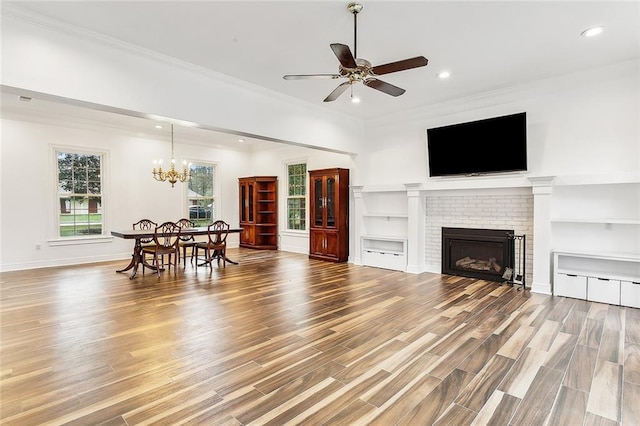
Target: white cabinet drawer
[395,261]
[603,290]
[630,294]
[570,286]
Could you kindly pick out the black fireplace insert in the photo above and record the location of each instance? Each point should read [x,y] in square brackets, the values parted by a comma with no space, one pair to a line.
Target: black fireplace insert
[477,253]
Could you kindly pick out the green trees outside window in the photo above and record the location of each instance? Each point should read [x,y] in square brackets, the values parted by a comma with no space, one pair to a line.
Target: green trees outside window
[201,197]
[296,196]
[79,194]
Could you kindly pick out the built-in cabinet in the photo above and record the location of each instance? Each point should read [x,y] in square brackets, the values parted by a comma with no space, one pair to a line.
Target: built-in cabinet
[596,239]
[604,278]
[384,227]
[329,214]
[259,212]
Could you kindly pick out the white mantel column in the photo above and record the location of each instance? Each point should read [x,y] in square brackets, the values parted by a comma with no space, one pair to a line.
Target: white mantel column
[358,211]
[542,187]
[415,228]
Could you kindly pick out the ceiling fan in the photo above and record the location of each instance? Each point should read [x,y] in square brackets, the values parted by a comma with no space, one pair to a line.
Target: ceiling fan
[356,70]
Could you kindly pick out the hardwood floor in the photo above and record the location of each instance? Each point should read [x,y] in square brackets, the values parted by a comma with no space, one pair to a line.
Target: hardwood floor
[281,339]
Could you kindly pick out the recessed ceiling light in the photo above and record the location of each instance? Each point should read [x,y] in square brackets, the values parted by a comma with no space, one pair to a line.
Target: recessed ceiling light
[24,98]
[591,32]
[240,140]
[355,100]
[158,126]
[444,74]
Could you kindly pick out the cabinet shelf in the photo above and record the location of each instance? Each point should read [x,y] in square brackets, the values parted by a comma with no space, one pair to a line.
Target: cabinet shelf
[258,208]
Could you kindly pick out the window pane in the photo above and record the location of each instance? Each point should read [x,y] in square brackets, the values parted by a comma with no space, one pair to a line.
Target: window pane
[296,201]
[202,181]
[200,200]
[296,213]
[80,196]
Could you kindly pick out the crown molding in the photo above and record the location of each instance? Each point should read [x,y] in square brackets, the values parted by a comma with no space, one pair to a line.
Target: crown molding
[16,12]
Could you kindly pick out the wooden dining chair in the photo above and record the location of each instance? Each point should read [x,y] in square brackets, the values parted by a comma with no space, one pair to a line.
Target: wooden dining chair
[145,225]
[186,241]
[166,238]
[216,246]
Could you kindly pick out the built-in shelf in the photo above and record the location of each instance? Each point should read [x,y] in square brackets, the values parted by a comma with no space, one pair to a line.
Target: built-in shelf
[387,215]
[596,221]
[612,278]
[384,252]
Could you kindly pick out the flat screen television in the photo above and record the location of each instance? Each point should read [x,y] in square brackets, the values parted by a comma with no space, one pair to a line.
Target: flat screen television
[492,145]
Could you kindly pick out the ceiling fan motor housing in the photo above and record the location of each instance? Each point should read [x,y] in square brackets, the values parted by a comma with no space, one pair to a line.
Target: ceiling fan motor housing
[360,73]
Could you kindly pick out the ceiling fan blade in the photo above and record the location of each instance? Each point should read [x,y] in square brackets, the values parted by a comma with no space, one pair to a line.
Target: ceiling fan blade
[311,76]
[406,64]
[343,53]
[337,92]
[387,88]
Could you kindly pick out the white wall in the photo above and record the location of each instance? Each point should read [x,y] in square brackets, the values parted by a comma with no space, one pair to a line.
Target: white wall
[272,162]
[584,123]
[28,200]
[68,63]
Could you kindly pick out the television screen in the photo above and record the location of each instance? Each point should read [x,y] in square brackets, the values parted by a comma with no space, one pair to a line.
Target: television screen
[492,145]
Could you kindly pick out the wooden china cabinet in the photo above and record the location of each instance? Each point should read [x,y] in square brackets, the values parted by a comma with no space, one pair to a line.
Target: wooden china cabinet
[259,212]
[329,213]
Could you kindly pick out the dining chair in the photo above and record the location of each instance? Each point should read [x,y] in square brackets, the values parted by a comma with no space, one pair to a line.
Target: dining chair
[186,240]
[216,246]
[145,225]
[166,238]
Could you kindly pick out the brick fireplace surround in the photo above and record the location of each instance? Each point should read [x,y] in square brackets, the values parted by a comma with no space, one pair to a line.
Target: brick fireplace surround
[489,209]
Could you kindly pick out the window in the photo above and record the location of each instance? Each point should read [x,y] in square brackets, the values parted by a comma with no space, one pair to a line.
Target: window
[79,193]
[296,196]
[201,196]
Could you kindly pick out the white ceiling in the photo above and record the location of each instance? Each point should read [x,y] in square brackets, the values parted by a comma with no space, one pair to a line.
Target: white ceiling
[485,45]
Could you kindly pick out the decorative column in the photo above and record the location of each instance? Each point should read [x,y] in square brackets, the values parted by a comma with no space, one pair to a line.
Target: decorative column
[415,228]
[542,187]
[358,211]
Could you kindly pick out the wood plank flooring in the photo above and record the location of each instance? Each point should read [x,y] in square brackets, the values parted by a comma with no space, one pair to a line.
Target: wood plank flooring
[280,339]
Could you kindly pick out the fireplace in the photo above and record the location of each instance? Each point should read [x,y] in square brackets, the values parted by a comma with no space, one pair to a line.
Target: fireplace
[477,253]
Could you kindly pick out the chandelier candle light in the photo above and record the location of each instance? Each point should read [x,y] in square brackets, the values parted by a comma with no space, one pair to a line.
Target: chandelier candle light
[172,175]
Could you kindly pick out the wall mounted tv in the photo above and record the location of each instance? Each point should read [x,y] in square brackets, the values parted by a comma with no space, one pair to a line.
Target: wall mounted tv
[492,145]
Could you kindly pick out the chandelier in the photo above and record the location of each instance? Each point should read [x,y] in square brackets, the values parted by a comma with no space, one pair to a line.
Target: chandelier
[172,175]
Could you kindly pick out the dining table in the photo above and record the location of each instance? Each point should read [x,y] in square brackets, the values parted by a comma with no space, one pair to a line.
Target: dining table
[140,234]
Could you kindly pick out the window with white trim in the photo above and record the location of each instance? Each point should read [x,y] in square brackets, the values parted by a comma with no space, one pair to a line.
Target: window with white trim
[296,196]
[79,193]
[201,194]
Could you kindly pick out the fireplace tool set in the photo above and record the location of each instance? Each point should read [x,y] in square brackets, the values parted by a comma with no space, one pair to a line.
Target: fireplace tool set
[515,275]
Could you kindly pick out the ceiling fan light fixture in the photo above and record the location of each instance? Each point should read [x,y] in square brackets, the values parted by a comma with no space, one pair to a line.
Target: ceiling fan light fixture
[354,99]
[592,32]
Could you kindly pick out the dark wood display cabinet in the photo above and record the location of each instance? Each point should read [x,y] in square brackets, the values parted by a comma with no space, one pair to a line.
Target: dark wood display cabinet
[329,212]
[259,212]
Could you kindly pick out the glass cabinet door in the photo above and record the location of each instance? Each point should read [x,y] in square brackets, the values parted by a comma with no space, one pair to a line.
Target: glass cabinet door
[243,197]
[331,202]
[317,202]
[250,203]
